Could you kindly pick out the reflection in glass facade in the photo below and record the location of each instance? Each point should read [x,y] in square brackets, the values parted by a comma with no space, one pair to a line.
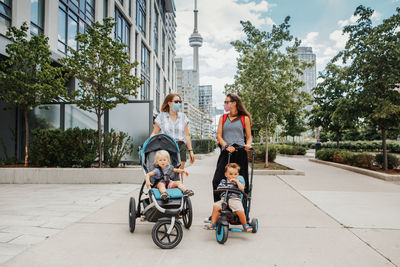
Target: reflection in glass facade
[141,16]
[122,30]
[37,16]
[47,118]
[75,117]
[145,73]
[155,40]
[73,15]
[5,12]
[158,88]
[123,118]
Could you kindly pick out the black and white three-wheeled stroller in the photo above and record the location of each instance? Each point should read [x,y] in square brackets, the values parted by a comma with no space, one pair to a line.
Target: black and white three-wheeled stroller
[227,217]
[167,232]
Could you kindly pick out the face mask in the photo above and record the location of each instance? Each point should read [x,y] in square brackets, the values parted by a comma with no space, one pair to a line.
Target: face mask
[177,107]
[227,107]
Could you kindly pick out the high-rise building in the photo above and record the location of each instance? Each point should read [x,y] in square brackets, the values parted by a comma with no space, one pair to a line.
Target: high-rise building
[309,76]
[146,27]
[205,99]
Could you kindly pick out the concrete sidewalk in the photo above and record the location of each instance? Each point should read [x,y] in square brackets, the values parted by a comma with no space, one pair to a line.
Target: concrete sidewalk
[304,221]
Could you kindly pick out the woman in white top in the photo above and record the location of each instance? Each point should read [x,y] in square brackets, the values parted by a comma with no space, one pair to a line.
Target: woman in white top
[175,124]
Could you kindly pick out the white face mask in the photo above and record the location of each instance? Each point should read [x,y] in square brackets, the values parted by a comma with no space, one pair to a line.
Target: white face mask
[177,107]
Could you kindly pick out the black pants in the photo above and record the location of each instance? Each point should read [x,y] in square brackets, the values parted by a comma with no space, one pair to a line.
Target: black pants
[239,157]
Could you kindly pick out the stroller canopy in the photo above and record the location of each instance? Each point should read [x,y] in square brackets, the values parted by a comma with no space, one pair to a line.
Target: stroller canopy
[155,143]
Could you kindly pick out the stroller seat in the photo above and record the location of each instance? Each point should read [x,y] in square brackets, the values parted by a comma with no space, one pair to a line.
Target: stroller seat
[173,193]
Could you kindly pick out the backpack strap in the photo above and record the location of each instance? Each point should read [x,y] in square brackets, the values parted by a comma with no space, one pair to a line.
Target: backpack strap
[224,117]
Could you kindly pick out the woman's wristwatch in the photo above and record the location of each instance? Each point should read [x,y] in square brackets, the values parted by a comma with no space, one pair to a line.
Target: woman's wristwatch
[225,147]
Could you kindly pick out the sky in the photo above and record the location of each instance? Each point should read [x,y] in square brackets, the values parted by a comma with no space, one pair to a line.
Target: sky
[318,23]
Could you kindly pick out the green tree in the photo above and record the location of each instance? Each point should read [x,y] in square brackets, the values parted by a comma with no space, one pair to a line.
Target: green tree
[295,120]
[374,56]
[27,77]
[103,69]
[266,74]
[333,108]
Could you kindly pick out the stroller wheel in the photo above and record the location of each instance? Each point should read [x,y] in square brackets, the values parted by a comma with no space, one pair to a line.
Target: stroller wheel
[254,225]
[221,233]
[187,213]
[132,215]
[161,237]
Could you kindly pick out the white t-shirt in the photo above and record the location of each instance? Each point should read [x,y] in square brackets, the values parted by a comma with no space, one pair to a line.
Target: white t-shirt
[175,129]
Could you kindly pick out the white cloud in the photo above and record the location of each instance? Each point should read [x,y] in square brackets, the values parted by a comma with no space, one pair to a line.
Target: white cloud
[218,26]
[339,39]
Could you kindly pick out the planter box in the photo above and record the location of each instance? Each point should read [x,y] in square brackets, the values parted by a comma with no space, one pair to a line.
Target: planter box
[71,175]
[383,176]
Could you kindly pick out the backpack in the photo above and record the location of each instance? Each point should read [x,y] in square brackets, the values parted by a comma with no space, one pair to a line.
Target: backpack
[225,116]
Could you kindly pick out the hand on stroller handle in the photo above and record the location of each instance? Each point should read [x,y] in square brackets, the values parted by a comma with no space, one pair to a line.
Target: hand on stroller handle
[236,147]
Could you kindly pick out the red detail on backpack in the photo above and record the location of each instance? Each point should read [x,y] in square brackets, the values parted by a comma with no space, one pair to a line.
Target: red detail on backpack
[225,116]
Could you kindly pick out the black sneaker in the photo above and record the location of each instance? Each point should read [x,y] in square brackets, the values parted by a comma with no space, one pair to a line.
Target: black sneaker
[188,193]
[165,196]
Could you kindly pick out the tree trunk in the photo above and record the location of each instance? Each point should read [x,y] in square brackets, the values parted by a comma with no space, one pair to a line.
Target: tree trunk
[337,140]
[385,161]
[266,147]
[99,139]
[26,135]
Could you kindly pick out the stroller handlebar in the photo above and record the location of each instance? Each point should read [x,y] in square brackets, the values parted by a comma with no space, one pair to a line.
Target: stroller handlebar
[232,190]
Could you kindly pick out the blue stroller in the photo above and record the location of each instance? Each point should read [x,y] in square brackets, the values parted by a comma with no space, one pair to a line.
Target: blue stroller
[227,217]
[167,232]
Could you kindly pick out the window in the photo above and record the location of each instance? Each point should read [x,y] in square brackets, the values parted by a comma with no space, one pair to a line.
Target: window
[163,50]
[145,73]
[130,8]
[122,30]
[37,11]
[169,54]
[141,16]
[105,8]
[158,88]
[73,16]
[155,41]
[5,12]
[165,88]
[122,2]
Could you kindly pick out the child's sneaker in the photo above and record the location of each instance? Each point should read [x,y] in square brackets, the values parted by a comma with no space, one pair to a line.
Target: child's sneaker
[165,196]
[188,193]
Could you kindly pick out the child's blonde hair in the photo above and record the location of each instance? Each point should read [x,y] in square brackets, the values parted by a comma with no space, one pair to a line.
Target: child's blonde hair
[161,154]
[232,166]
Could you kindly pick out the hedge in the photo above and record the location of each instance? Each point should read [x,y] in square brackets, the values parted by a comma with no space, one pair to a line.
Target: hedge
[76,147]
[365,146]
[70,148]
[259,150]
[362,160]
[203,146]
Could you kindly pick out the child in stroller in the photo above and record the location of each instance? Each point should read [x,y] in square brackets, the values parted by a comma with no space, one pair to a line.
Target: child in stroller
[166,214]
[160,177]
[233,198]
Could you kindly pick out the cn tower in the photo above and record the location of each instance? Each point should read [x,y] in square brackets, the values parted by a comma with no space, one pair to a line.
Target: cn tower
[195,40]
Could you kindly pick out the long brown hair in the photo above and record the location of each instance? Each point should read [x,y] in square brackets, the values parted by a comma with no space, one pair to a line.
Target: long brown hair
[239,105]
[168,98]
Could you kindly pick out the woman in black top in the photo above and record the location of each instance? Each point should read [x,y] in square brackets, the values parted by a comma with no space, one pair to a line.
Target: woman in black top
[233,128]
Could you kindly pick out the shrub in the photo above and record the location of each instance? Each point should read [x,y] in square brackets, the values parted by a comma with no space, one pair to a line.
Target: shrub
[72,147]
[393,161]
[115,146]
[363,160]
[259,151]
[203,146]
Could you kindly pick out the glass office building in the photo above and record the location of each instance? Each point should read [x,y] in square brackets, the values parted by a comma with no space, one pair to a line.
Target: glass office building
[146,27]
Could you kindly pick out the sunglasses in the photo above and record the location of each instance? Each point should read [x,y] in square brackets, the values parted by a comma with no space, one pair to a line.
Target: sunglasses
[227,102]
[177,101]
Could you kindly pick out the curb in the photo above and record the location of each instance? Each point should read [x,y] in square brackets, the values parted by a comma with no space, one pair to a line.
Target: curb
[382,176]
[279,172]
[71,176]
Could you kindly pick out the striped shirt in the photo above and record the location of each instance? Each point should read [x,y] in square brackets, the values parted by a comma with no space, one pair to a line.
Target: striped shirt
[175,129]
